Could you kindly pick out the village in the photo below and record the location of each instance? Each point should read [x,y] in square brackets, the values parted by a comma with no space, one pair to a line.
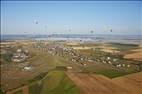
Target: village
[99,56]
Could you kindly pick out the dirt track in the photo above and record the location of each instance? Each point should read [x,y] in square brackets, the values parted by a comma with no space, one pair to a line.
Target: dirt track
[97,84]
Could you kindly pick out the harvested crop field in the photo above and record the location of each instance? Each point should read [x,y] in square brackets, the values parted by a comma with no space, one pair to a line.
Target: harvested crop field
[136,55]
[132,82]
[92,83]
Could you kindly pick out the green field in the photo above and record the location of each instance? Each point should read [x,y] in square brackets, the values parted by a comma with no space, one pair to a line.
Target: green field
[124,47]
[1,92]
[56,82]
[112,73]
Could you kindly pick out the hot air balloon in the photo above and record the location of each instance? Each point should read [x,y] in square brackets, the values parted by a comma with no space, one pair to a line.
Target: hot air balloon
[69,30]
[91,31]
[35,21]
[110,30]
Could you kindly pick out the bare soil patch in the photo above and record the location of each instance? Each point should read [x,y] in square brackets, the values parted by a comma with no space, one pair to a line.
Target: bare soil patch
[91,83]
[137,55]
[132,82]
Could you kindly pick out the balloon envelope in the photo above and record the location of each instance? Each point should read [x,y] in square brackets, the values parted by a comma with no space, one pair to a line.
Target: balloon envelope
[92,31]
[110,30]
[36,22]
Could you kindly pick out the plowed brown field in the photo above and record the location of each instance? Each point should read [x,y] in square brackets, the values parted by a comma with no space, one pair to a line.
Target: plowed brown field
[98,84]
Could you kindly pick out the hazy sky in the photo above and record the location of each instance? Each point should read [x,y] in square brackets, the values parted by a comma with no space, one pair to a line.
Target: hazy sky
[71,17]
